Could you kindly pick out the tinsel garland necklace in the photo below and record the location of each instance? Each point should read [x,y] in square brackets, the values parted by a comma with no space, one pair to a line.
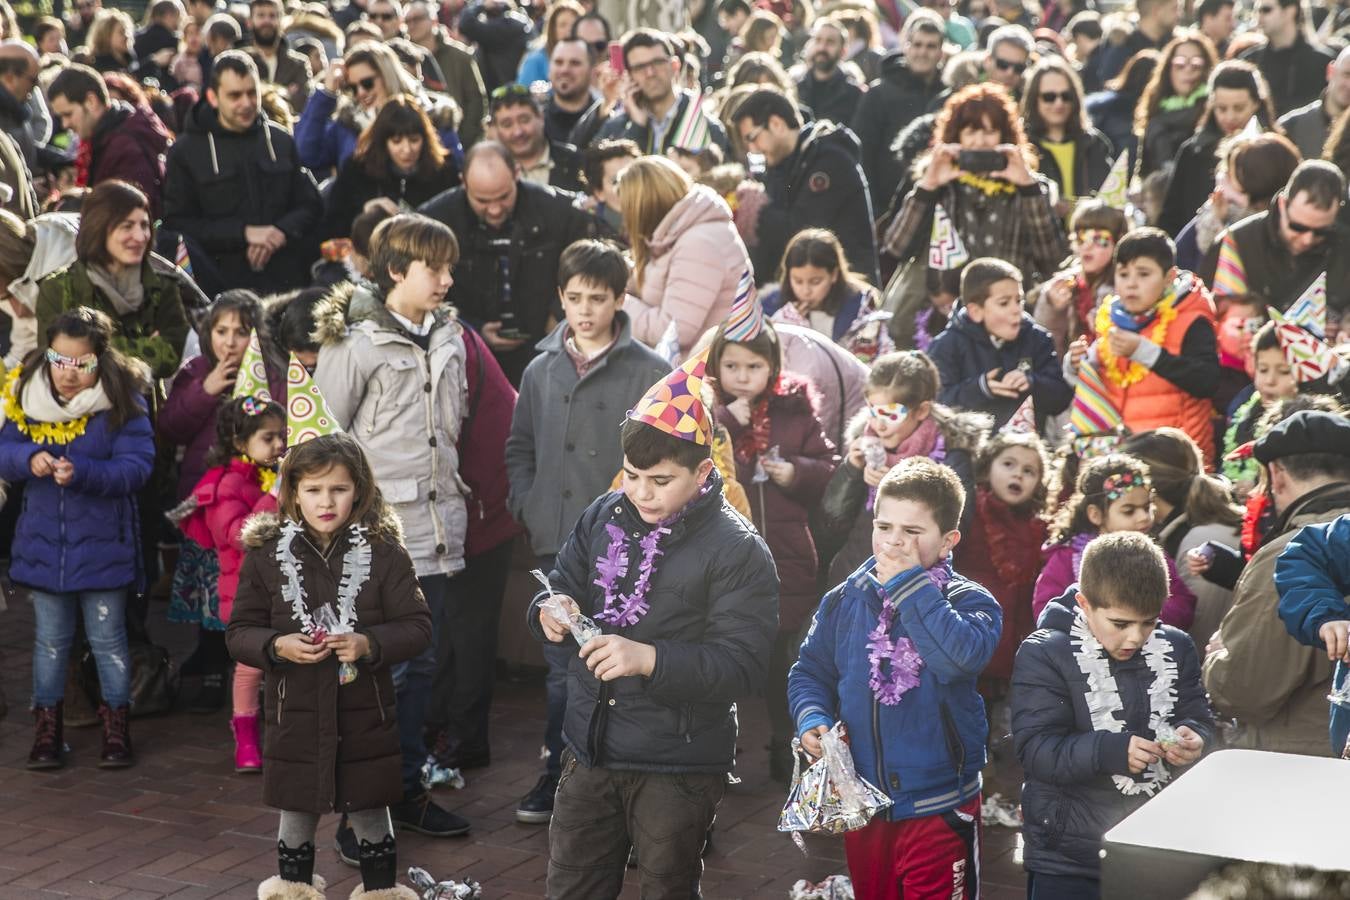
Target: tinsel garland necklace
[267,476]
[60,433]
[355,573]
[1126,373]
[990,187]
[902,660]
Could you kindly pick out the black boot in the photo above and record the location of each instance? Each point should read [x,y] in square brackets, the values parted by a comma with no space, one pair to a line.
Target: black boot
[48,738]
[379,864]
[117,752]
[297,864]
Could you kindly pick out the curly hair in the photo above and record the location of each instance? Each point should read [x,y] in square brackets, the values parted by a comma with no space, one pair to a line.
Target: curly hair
[980,106]
[1073,517]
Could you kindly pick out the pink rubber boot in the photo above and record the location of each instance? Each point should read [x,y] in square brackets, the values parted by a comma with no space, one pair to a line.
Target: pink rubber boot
[247,755]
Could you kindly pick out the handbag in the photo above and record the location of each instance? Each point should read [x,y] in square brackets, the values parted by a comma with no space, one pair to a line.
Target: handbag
[154,681]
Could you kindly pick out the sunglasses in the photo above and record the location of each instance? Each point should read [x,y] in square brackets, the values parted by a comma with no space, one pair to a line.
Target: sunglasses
[1061,96]
[1266,10]
[365,84]
[1010,66]
[383,17]
[1094,236]
[509,90]
[891,412]
[88,364]
[1299,228]
[1188,62]
[600,47]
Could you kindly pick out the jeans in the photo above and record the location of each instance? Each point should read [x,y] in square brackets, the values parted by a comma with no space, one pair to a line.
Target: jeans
[104,624]
[412,686]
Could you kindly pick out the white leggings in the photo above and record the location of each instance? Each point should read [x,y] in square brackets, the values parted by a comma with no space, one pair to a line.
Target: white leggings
[299,828]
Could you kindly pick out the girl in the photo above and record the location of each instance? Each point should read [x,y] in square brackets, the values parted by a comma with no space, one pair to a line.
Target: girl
[1065,304]
[250,438]
[1113,494]
[1272,381]
[817,290]
[333,741]
[784,460]
[902,418]
[75,429]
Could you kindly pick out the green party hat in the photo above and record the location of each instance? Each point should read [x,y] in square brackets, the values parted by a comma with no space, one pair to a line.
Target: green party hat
[307,414]
[252,378]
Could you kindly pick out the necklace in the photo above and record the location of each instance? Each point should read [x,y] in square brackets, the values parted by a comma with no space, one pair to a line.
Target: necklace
[355,573]
[990,187]
[1125,373]
[267,476]
[905,663]
[38,432]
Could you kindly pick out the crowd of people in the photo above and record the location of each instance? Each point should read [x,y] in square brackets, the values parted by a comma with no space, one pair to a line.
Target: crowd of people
[998,346]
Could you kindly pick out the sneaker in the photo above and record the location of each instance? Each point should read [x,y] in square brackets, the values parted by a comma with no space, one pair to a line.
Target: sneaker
[348,850]
[421,815]
[536,807]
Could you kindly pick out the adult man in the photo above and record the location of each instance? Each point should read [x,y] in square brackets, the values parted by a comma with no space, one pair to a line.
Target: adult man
[1254,670]
[518,123]
[463,82]
[1157,21]
[569,73]
[276,61]
[1215,20]
[501,33]
[1309,125]
[1282,250]
[78,32]
[813,180]
[1294,68]
[23,114]
[593,28]
[124,142]
[236,191]
[221,33]
[1009,56]
[387,16]
[511,233]
[830,91]
[909,86]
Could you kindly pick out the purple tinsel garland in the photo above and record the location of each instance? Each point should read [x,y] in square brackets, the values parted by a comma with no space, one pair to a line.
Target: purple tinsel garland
[922,339]
[1078,544]
[905,661]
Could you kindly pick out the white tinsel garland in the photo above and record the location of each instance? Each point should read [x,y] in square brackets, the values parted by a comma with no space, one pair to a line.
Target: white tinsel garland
[355,573]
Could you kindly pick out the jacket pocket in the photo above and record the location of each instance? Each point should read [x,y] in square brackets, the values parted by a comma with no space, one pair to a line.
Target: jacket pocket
[281,697]
[399,490]
[956,748]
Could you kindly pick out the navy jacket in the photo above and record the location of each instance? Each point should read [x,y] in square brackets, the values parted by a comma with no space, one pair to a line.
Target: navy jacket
[964,354]
[1069,800]
[926,752]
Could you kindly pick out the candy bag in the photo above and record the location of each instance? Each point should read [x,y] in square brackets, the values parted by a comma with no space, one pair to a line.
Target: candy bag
[326,623]
[582,627]
[428,888]
[829,796]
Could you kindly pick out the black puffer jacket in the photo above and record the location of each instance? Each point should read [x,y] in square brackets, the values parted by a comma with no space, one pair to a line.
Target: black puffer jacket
[1092,159]
[1069,800]
[354,188]
[1192,181]
[891,102]
[714,613]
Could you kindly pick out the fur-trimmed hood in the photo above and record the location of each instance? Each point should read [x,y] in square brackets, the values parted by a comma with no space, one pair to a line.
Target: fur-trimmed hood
[351,303]
[961,429]
[262,527]
[795,394]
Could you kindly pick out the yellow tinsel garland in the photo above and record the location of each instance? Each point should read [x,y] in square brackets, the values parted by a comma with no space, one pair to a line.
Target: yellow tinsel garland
[38,432]
[990,187]
[1135,372]
[267,477]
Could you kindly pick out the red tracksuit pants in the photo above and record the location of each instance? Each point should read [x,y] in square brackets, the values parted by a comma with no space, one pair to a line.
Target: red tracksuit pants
[932,858]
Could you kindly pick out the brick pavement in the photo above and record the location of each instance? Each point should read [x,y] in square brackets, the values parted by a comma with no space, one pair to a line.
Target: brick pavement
[182,824]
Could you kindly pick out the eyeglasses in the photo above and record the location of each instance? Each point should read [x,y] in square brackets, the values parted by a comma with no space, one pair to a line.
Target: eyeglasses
[1266,10]
[753,136]
[383,16]
[88,364]
[1061,96]
[599,47]
[1008,65]
[365,85]
[1299,228]
[1188,62]
[643,68]
[891,412]
[1097,237]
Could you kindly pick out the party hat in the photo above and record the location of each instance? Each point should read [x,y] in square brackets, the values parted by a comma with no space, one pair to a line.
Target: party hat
[675,403]
[1092,413]
[252,378]
[1309,311]
[1230,278]
[1023,421]
[1308,355]
[747,313]
[945,251]
[691,133]
[1114,190]
[307,415]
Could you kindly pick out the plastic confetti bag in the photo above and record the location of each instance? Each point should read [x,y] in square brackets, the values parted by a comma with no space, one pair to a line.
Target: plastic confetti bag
[829,796]
[582,627]
[326,622]
[428,888]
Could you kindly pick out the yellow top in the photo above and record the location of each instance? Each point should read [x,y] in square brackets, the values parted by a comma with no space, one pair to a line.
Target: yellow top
[1062,152]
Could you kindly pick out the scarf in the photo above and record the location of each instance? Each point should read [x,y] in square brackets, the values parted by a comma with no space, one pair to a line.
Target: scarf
[753,440]
[1177,101]
[125,291]
[926,440]
[1013,538]
[40,404]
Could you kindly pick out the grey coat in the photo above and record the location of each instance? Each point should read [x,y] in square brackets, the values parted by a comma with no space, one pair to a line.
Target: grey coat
[565,431]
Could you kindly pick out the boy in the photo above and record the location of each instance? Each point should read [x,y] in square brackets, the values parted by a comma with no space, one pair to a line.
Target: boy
[601,165]
[923,715]
[992,355]
[651,722]
[1156,348]
[588,370]
[1096,732]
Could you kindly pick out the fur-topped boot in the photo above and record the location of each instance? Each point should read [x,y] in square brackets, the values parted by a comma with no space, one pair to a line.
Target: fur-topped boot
[379,873]
[397,892]
[297,880]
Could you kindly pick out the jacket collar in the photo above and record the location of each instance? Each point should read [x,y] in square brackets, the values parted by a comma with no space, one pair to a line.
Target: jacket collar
[697,512]
[553,342]
[366,310]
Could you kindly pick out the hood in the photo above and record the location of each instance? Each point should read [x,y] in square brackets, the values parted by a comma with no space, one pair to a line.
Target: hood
[140,120]
[700,206]
[1058,614]
[795,394]
[260,528]
[349,304]
[960,429]
[819,136]
[53,250]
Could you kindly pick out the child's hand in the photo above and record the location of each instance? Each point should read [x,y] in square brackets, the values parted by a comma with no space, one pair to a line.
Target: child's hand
[1336,635]
[873,476]
[1060,293]
[348,647]
[1185,752]
[554,630]
[1198,561]
[1017,382]
[41,464]
[781,472]
[610,656]
[894,553]
[63,471]
[811,740]
[300,648]
[1123,342]
[1077,350]
[998,386]
[1143,753]
[740,410]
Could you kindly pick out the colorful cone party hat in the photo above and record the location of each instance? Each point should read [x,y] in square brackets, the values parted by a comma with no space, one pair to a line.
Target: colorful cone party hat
[747,313]
[945,250]
[691,132]
[1309,311]
[307,415]
[1092,413]
[1308,355]
[252,378]
[1023,421]
[1114,191]
[1230,278]
[675,403]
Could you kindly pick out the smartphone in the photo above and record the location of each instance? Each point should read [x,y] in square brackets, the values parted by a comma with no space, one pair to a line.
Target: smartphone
[981,161]
[616,56]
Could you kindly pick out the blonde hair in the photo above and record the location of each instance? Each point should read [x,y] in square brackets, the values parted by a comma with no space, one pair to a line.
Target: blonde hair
[101,31]
[648,191]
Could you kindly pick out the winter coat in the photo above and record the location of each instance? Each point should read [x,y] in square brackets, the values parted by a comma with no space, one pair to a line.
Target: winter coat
[694,270]
[1092,159]
[1275,686]
[501,36]
[221,181]
[15,176]
[405,406]
[1164,134]
[563,450]
[1112,113]
[836,98]
[482,446]
[780,514]
[292,72]
[1313,582]
[84,536]
[328,747]
[619,127]
[925,752]
[1178,538]
[27,121]
[463,84]
[1308,127]
[130,143]
[226,496]
[895,99]
[859,325]
[1297,74]
[327,133]
[1069,799]
[1191,182]
[1061,570]
[1274,274]
[714,611]
[820,185]
[840,378]
[353,188]
[964,354]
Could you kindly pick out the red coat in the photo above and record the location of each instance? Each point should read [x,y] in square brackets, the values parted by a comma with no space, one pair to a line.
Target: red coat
[226,496]
[482,448]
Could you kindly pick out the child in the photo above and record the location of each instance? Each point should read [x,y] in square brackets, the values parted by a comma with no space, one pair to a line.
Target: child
[902,419]
[944,287]
[1155,345]
[562,442]
[1066,304]
[333,742]
[817,289]
[992,356]
[784,459]
[894,652]
[250,438]
[651,723]
[1105,699]
[1113,493]
[75,431]
[1272,381]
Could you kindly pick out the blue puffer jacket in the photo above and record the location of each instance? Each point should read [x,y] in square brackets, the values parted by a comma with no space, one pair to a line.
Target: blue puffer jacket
[926,752]
[82,537]
[1313,578]
[1069,800]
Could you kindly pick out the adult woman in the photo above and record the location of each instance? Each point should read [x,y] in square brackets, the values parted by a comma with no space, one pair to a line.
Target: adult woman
[110,41]
[1251,171]
[562,15]
[1112,111]
[399,156]
[113,273]
[761,33]
[1237,94]
[369,75]
[688,259]
[1074,155]
[1174,100]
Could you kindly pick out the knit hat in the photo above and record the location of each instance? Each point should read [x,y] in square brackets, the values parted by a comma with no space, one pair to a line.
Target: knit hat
[747,313]
[675,403]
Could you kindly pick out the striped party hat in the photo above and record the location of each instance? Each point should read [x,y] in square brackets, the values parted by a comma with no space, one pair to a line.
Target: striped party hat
[692,133]
[945,250]
[1230,278]
[1309,311]
[1092,413]
[747,313]
[252,378]
[675,403]
[1308,355]
[307,415]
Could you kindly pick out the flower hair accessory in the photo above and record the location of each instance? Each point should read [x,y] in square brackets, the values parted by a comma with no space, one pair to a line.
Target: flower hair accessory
[1118,485]
[88,364]
[253,406]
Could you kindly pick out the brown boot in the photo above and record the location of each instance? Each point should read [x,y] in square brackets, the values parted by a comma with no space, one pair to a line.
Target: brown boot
[48,739]
[117,752]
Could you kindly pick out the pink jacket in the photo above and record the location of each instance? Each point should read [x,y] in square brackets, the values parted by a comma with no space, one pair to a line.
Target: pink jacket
[697,260]
[226,496]
[1178,610]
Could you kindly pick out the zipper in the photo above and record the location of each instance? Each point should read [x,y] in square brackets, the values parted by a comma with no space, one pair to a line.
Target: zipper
[763,514]
[379,698]
[281,697]
[61,517]
[436,450]
[876,743]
